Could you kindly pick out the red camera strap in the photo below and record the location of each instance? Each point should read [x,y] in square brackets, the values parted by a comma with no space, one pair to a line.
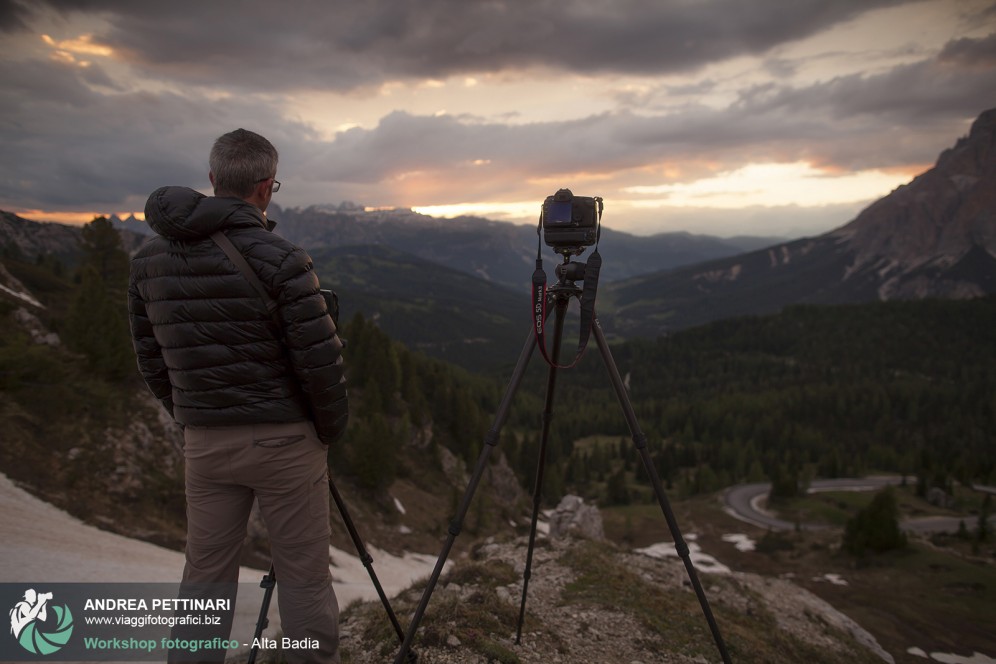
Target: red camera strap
[539,313]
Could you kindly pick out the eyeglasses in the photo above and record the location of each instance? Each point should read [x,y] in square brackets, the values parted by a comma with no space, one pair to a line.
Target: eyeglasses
[276,184]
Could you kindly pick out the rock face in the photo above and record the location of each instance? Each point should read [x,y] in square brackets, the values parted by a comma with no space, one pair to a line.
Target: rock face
[943,219]
[933,237]
[573,518]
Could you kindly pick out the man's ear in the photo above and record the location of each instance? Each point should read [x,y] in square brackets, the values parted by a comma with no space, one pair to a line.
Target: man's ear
[260,196]
[261,190]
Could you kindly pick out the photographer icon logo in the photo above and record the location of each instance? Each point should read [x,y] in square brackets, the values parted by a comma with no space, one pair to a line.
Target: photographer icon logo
[30,624]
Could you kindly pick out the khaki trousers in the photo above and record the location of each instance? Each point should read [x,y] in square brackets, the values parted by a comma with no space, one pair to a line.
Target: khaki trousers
[284,468]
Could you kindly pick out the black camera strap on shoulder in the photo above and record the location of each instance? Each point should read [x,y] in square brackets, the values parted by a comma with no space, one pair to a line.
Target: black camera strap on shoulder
[331,298]
[240,262]
[592,268]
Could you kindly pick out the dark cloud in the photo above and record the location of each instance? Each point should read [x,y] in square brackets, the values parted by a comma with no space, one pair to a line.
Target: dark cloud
[908,111]
[346,44]
[971,52]
[68,146]
[79,138]
[13,16]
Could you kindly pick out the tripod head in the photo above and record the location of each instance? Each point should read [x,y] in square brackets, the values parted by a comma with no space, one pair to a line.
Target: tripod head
[567,273]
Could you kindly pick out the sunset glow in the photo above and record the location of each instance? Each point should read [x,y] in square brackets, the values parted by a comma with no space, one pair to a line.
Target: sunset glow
[767,119]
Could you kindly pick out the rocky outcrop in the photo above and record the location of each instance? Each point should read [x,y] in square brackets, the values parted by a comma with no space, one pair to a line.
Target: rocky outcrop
[574,518]
[589,602]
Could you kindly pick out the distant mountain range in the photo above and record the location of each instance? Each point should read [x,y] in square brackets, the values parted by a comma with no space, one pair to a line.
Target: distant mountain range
[934,237]
[498,252]
[454,288]
[457,288]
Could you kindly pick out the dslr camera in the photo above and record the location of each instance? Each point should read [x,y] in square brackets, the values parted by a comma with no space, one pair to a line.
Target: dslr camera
[570,223]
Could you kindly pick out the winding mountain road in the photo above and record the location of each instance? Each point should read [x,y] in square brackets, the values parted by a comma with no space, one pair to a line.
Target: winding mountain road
[744,502]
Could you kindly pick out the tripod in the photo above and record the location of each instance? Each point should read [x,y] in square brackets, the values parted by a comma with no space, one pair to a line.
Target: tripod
[560,296]
[270,580]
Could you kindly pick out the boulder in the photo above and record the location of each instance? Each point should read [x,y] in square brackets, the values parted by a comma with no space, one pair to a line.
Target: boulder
[574,518]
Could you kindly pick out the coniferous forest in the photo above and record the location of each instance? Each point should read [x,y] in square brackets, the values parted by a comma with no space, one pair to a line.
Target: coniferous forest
[897,387]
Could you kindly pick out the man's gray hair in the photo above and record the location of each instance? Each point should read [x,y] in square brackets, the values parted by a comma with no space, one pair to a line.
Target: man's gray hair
[239,160]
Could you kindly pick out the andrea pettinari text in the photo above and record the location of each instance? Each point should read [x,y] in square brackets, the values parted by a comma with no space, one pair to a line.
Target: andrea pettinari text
[130,621]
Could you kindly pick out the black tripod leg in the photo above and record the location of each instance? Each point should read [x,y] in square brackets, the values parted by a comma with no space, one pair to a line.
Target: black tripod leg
[268,582]
[551,383]
[491,441]
[640,440]
[367,560]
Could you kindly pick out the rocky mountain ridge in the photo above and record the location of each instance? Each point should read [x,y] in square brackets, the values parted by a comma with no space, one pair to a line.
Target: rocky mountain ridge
[943,216]
[934,237]
[32,239]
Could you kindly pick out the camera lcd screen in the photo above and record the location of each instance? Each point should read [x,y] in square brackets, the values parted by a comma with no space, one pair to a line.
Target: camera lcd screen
[558,213]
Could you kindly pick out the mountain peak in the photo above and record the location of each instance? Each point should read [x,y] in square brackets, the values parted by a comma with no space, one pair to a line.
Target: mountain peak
[985,122]
[938,217]
[933,237]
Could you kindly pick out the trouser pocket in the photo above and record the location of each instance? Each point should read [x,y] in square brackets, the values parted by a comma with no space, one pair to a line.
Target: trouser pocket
[277,441]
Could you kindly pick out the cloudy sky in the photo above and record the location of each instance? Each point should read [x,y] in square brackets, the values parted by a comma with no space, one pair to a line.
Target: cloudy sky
[774,117]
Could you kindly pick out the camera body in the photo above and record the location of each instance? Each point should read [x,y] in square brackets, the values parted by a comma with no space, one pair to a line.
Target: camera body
[332,302]
[570,223]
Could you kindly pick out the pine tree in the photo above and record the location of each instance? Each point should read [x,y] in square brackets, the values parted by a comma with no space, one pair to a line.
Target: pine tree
[983,528]
[875,529]
[102,250]
[616,491]
[97,323]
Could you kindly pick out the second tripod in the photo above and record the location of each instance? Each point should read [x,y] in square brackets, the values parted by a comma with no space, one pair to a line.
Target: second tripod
[559,296]
[270,580]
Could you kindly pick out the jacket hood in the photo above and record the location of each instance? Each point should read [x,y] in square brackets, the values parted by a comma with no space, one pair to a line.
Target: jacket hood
[181,213]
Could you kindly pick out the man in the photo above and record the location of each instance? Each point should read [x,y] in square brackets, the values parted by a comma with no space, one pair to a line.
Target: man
[259,400]
[25,612]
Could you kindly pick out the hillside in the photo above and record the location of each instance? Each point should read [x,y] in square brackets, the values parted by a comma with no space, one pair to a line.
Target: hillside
[442,312]
[82,431]
[934,237]
[902,387]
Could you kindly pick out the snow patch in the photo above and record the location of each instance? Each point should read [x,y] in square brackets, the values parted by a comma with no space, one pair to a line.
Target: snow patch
[950,658]
[703,562]
[401,508]
[740,541]
[835,579]
[22,296]
[40,542]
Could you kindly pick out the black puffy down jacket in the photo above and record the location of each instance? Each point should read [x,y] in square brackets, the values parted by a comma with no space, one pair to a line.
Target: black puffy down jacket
[206,345]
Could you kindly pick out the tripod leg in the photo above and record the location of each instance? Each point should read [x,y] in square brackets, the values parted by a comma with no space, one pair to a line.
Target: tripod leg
[367,560]
[561,309]
[491,441]
[269,580]
[640,440]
